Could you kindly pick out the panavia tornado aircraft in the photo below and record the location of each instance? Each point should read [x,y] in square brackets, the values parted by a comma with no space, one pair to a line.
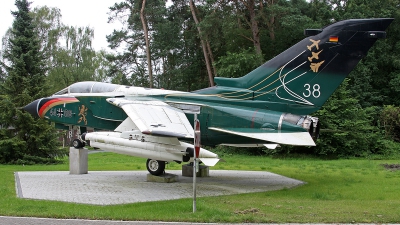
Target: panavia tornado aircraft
[269,106]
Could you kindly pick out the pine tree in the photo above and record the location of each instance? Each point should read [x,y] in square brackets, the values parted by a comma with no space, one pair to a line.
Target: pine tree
[24,139]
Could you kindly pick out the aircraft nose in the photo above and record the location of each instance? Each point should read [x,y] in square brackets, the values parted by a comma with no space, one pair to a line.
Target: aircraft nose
[32,108]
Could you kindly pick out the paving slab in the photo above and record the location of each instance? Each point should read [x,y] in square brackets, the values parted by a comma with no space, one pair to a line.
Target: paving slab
[122,187]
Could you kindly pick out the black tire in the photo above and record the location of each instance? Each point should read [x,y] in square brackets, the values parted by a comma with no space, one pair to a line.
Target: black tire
[155,167]
[76,143]
[189,154]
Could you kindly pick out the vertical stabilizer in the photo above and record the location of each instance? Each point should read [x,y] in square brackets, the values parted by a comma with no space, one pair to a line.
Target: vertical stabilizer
[310,71]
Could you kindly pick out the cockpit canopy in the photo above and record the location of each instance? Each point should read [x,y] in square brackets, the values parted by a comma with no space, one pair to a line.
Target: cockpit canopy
[88,87]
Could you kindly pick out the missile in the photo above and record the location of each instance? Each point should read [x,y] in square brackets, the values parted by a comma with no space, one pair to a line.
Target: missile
[135,143]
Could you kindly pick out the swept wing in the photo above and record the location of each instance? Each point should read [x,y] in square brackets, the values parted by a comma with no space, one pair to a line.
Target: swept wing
[155,117]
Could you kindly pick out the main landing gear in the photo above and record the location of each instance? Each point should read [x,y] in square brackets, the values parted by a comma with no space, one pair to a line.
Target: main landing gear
[76,143]
[155,167]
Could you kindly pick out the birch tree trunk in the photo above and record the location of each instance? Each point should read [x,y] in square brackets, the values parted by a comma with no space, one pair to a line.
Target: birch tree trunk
[146,38]
[203,44]
[254,25]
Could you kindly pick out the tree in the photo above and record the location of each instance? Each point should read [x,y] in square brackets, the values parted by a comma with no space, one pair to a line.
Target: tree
[174,43]
[238,64]
[178,49]
[390,121]
[50,29]
[147,41]
[376,80]
[251,7]
[347,128]
[22,138]
[142,17]
[68,51]
[75,60]
[206,52]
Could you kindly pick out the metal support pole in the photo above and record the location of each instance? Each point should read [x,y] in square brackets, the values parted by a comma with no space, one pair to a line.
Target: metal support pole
[194,184]
[194,167]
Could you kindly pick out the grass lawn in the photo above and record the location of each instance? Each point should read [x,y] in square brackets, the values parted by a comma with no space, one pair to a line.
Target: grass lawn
[337,191]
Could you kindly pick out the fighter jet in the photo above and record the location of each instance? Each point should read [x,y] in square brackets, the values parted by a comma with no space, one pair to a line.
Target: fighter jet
[315,66]
[314,56]
[269,106]
[314,43]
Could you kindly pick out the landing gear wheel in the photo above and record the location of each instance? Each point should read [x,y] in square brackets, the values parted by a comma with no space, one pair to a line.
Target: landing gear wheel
[155,167]
[76,143]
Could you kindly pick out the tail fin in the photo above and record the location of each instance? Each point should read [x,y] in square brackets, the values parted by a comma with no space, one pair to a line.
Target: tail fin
[310,71]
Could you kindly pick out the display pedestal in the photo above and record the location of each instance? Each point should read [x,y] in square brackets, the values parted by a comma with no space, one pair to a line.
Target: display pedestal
[78,160]
[187,171]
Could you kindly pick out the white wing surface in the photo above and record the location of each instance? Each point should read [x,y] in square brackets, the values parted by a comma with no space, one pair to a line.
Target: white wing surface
[155,117]
[287,138]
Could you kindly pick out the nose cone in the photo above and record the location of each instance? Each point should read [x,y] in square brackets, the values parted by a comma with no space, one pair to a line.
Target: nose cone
[32,108]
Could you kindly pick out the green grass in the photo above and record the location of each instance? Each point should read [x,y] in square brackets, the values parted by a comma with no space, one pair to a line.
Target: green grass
[337,191]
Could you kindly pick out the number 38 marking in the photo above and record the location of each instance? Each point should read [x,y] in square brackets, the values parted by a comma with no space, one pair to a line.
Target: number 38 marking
[315,92]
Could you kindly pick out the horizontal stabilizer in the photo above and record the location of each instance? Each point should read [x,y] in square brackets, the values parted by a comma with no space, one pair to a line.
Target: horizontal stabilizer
[209,161]
[287,138]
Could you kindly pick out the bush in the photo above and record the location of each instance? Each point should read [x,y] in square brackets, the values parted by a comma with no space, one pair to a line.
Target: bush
[390,122]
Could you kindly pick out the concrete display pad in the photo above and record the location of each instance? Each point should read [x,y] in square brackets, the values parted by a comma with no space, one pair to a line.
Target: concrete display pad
[121,187]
